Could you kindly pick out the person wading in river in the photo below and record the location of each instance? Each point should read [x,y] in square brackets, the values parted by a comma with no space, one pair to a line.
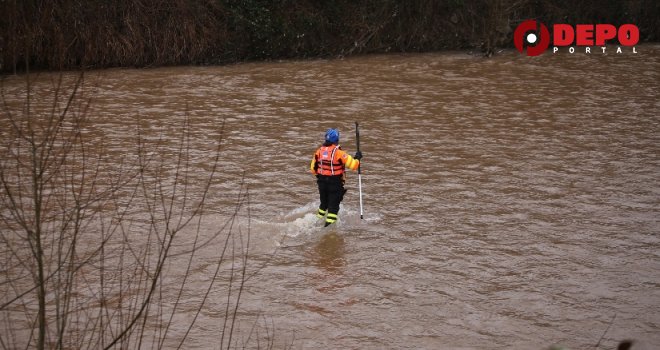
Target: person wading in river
[329,165]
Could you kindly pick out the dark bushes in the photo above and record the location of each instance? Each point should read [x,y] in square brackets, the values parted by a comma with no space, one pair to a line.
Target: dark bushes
[99,33]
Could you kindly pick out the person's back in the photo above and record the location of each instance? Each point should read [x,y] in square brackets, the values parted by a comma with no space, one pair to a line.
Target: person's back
[329,164]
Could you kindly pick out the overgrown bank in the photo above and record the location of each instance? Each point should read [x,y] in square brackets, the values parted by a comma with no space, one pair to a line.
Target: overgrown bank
[69,34]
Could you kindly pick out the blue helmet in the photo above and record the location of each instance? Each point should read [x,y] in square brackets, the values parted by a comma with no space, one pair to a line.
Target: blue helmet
[332,136]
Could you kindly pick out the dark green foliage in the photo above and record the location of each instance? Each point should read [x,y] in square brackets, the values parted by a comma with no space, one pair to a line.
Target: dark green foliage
[68,34]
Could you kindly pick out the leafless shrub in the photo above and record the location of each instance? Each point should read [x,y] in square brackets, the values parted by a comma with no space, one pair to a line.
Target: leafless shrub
[107,251]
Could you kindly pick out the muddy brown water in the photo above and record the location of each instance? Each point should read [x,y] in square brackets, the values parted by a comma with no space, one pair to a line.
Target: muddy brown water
[510,203]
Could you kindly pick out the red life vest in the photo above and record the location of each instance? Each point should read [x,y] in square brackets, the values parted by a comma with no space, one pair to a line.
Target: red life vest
[329,162]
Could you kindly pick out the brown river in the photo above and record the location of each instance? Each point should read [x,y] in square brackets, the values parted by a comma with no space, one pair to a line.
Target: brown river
[509,203]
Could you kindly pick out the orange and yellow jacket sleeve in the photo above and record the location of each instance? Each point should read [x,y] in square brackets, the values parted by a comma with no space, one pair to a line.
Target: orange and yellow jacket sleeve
[313,165]
[349,162]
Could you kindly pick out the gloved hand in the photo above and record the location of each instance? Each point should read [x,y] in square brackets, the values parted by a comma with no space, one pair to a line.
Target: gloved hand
[358,155]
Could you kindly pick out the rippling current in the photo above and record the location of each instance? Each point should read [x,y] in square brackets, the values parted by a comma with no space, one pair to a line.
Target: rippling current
[509,203]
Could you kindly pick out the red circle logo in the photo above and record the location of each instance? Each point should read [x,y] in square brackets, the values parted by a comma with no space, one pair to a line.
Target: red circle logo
[535,35]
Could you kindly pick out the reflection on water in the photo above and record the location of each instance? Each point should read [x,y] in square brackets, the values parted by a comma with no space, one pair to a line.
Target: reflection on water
[328,253]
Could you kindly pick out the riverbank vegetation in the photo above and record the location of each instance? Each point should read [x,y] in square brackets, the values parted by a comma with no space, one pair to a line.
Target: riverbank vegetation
[97,33]
[100,242]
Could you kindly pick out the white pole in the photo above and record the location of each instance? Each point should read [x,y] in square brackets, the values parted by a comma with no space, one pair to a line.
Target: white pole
[357,140]
[360,187]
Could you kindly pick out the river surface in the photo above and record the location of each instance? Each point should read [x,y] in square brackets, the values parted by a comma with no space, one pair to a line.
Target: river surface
[509,203]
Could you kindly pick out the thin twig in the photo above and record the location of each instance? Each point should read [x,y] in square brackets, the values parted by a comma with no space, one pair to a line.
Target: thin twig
[606,330]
